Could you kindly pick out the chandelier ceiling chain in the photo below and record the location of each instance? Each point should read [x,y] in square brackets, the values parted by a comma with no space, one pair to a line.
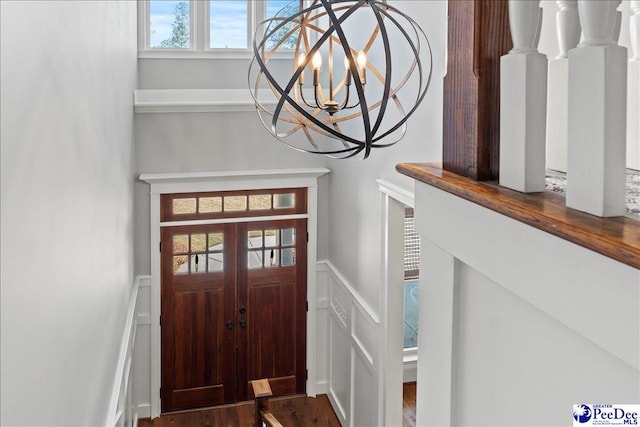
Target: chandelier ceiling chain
[328,119]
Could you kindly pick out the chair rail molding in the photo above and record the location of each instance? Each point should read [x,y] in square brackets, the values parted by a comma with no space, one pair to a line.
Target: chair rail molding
[166,183]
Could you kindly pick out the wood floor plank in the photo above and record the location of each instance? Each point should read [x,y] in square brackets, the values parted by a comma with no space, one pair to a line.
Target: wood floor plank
[297,411]
[290,411]
[409,404]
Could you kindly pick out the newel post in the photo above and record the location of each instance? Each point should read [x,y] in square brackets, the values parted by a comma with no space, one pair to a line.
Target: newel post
[633,113]
[523,101]
[597,113]
[568,32]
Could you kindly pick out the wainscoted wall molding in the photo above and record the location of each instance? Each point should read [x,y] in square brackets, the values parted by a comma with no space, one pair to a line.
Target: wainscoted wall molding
[123,409]
[352,350]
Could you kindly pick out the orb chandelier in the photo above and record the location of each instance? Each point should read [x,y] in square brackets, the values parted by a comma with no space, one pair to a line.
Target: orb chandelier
[357,101]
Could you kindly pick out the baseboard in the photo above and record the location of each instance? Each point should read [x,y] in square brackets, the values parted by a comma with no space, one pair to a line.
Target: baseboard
[143,411]
[322,387]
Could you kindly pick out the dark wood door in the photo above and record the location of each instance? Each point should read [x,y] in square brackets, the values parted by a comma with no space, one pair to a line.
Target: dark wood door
[274,291]
[233,310]
[198,301]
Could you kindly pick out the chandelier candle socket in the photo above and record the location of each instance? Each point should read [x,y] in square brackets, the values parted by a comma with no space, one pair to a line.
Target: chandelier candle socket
[346,111]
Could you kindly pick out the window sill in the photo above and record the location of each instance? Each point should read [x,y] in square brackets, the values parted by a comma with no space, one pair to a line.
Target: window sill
[193,100]
[237,54]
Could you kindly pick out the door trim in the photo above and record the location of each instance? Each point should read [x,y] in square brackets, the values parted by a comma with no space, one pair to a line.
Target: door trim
[166,183]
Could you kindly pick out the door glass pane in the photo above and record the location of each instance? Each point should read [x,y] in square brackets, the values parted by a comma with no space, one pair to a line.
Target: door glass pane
[288,257]
[184,206]
[271,238]
[210,204]
[288,236]
[198,263]
[180,264]
[235,203]
[169,24]
[260,202]
[284,201]
[255,239]
[198,243]
[181,244]
[272,258]
[411,293]
[228,24]
[215,262]
[216,241]
[254,259]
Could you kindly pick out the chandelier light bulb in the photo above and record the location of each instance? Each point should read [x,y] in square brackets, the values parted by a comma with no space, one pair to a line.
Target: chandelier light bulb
[317,61]
[362,60]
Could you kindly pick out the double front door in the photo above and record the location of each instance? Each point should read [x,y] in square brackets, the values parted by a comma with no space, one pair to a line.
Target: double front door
[233,310]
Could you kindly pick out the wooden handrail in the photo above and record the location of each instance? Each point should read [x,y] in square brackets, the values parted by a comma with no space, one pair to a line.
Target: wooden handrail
[269,419]
[262,392]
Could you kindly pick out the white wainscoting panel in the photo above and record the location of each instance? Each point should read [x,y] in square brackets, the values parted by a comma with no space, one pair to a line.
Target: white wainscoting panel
[353,351]
[142,353]
[125,397]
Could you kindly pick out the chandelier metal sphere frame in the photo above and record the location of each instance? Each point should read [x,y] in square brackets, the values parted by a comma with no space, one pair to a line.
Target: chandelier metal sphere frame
[333,121]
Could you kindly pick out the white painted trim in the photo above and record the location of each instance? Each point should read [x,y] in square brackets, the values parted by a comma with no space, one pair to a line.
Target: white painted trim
[195,100]
[230,181]
[397,192]
[121,389]
[364,307]
[233,220]
[393,371]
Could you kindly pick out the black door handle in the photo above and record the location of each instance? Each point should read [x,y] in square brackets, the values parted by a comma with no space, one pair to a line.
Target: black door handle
[229,325]
[243,323]
[242,310]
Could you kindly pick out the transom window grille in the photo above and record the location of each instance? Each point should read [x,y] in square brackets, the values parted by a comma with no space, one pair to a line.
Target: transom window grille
[232,204]
[214,26]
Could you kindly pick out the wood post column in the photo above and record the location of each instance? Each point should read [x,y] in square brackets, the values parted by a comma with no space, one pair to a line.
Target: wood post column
[478,36]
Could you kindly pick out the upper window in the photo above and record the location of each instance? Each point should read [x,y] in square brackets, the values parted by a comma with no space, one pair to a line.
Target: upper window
[206,27]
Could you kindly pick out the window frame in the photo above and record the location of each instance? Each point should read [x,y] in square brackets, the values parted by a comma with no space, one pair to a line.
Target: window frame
[200,33]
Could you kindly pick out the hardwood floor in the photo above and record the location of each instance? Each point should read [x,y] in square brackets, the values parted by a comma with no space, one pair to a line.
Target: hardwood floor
[290,411]
[409,404]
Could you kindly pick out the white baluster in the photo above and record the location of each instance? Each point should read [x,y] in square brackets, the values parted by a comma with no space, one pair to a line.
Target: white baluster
[567,26]
[523,99]
[633,107]
[597,113]
[634,29]
[568,32]
[599,19]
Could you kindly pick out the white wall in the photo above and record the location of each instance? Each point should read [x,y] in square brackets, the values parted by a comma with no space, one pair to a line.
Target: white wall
[210,142]
[521,324]
[68,74]
[354,218]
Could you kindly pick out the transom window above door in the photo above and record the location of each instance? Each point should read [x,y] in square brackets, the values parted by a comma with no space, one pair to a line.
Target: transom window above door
[215,28]
[232,204]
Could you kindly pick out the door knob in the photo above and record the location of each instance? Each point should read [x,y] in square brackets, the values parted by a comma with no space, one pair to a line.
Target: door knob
[242,310]
[243,323]
[229,325]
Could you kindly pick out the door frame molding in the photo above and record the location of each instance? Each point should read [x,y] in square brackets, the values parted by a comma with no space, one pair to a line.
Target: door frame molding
[193,182]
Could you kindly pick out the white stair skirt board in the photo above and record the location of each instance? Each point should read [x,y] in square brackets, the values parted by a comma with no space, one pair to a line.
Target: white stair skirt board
[523,102]
[597,130]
